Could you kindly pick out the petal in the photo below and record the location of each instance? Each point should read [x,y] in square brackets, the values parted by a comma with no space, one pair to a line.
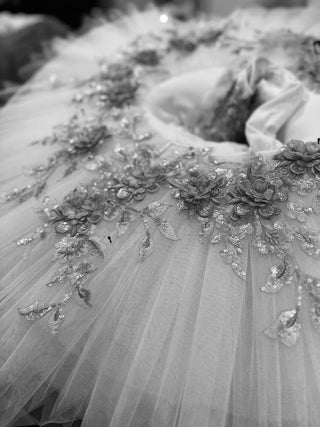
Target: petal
[297,169]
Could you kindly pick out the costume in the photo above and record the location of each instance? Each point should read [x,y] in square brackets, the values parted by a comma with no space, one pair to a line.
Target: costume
[172,278]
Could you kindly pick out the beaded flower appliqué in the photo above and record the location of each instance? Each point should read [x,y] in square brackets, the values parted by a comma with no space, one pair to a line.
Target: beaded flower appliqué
[78,141]
[234,205]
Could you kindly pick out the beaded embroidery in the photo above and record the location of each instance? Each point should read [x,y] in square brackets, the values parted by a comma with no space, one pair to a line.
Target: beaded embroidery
[79,142]
[235,205]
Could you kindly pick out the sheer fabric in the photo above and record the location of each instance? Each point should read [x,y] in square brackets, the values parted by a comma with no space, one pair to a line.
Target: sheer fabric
[178,339]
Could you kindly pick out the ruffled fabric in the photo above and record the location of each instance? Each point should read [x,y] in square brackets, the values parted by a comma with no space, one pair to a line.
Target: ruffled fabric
[175,340]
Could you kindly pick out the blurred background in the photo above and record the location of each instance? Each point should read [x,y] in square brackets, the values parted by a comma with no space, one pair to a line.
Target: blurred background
[72,12]
[28,26]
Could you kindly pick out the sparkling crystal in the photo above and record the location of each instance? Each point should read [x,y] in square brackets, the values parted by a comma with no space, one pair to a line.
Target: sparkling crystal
[216,239]
[36,310]
[236,267]
[143,137]
[157,209]
[146,247]
[56,320]
[25,241]
[63,227]
[287,328]
[281,274]
[176,193]
[241,210]
[122,193]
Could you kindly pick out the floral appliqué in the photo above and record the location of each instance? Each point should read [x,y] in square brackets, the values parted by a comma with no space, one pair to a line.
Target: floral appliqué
[232,205]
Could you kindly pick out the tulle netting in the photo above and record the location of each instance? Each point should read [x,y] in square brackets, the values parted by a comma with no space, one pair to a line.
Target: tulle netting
[174,341]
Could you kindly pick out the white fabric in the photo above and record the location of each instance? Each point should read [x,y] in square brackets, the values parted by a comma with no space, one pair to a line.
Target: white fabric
[176,340]
[179,103]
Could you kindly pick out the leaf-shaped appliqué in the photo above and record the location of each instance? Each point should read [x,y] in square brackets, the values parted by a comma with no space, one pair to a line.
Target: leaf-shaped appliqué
[287,328]
[39,188]
[166,228]
[36,310]
[280,275]
[238,270]
[235,241]
[56,320]
[70,169]
[206,228]
[96,247]
[85,294]
[60,277]
[123,224]
[85,267]
[309,240]
[146,247]
[122,227]
[156,209]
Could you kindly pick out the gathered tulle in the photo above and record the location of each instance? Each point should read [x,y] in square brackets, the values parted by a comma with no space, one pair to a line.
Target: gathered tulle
[176,340]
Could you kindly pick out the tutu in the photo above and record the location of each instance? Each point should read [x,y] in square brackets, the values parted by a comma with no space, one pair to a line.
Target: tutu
[154,272]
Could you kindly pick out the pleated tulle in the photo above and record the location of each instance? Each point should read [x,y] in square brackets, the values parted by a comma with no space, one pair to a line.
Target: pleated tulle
[177,340]
[174,341]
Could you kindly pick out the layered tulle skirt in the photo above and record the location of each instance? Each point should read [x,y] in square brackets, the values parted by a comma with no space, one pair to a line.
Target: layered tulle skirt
[176,340]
